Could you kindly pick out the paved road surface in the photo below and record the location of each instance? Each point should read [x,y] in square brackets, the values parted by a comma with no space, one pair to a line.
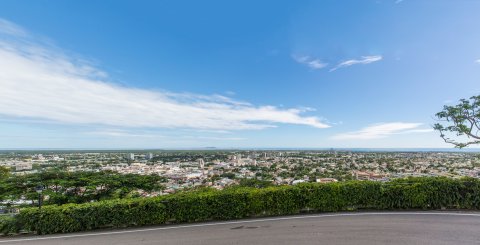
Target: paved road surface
[340,228]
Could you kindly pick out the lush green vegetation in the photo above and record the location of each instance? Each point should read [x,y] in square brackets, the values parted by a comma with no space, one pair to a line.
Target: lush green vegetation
[254,183]
[63,187]
[240,202]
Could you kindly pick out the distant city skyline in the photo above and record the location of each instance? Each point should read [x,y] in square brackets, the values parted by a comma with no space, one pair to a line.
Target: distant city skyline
[237,74]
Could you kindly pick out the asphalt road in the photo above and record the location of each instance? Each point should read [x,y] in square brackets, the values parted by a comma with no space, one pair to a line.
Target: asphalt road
[338,228]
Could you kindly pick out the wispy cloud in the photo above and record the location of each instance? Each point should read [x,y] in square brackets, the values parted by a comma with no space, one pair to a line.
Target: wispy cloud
[123,133]
[448,101]
[149,135]
[398,1]
[40,82]
[363,60]
[477,61]
[9,28]
[382,130]
[213,138]
[313,63]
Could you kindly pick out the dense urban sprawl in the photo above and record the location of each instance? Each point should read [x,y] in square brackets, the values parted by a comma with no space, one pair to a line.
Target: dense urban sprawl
[218,169]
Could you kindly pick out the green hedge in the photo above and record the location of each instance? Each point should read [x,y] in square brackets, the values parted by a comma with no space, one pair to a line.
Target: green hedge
[235,203]
[8,224]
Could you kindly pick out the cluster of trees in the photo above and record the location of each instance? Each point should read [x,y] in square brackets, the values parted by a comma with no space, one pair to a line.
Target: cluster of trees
[254,183]
[185,156]
[61,187]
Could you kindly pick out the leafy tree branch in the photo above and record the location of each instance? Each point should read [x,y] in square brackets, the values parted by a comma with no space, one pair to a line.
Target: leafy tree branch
[460,120]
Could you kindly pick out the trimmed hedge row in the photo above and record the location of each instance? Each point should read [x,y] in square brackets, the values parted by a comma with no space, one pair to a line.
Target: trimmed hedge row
[235,203]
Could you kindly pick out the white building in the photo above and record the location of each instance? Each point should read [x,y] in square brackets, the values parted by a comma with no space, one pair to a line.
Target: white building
[148,156]
[23,166]
[298,181]
[131,156]
[201,163]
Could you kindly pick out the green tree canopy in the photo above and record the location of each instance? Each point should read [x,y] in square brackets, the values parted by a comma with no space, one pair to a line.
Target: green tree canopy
[78,187]
[4,171]
[255,183]
[461,121]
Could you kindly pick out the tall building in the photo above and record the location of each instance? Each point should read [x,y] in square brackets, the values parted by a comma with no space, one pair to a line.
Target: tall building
[201,163]
[131,156]
[148,156]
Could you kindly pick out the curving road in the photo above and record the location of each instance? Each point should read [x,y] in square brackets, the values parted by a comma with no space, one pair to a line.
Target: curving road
[337,228]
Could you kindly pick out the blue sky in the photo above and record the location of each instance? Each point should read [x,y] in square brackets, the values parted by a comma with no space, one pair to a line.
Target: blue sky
[180,74]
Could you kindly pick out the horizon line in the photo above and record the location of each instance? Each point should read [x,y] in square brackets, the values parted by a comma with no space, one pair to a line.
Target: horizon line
[359,149]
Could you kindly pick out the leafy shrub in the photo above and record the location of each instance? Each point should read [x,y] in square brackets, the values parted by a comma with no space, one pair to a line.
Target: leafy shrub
[242,202]
[8,225]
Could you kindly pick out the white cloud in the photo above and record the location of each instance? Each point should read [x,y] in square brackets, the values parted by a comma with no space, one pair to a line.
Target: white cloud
[448,101]
[41,82]
[123,133]
[213,138]
[477,61]
[310,62]
[363,60]
[9,28]
[420,130]
[383,130]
